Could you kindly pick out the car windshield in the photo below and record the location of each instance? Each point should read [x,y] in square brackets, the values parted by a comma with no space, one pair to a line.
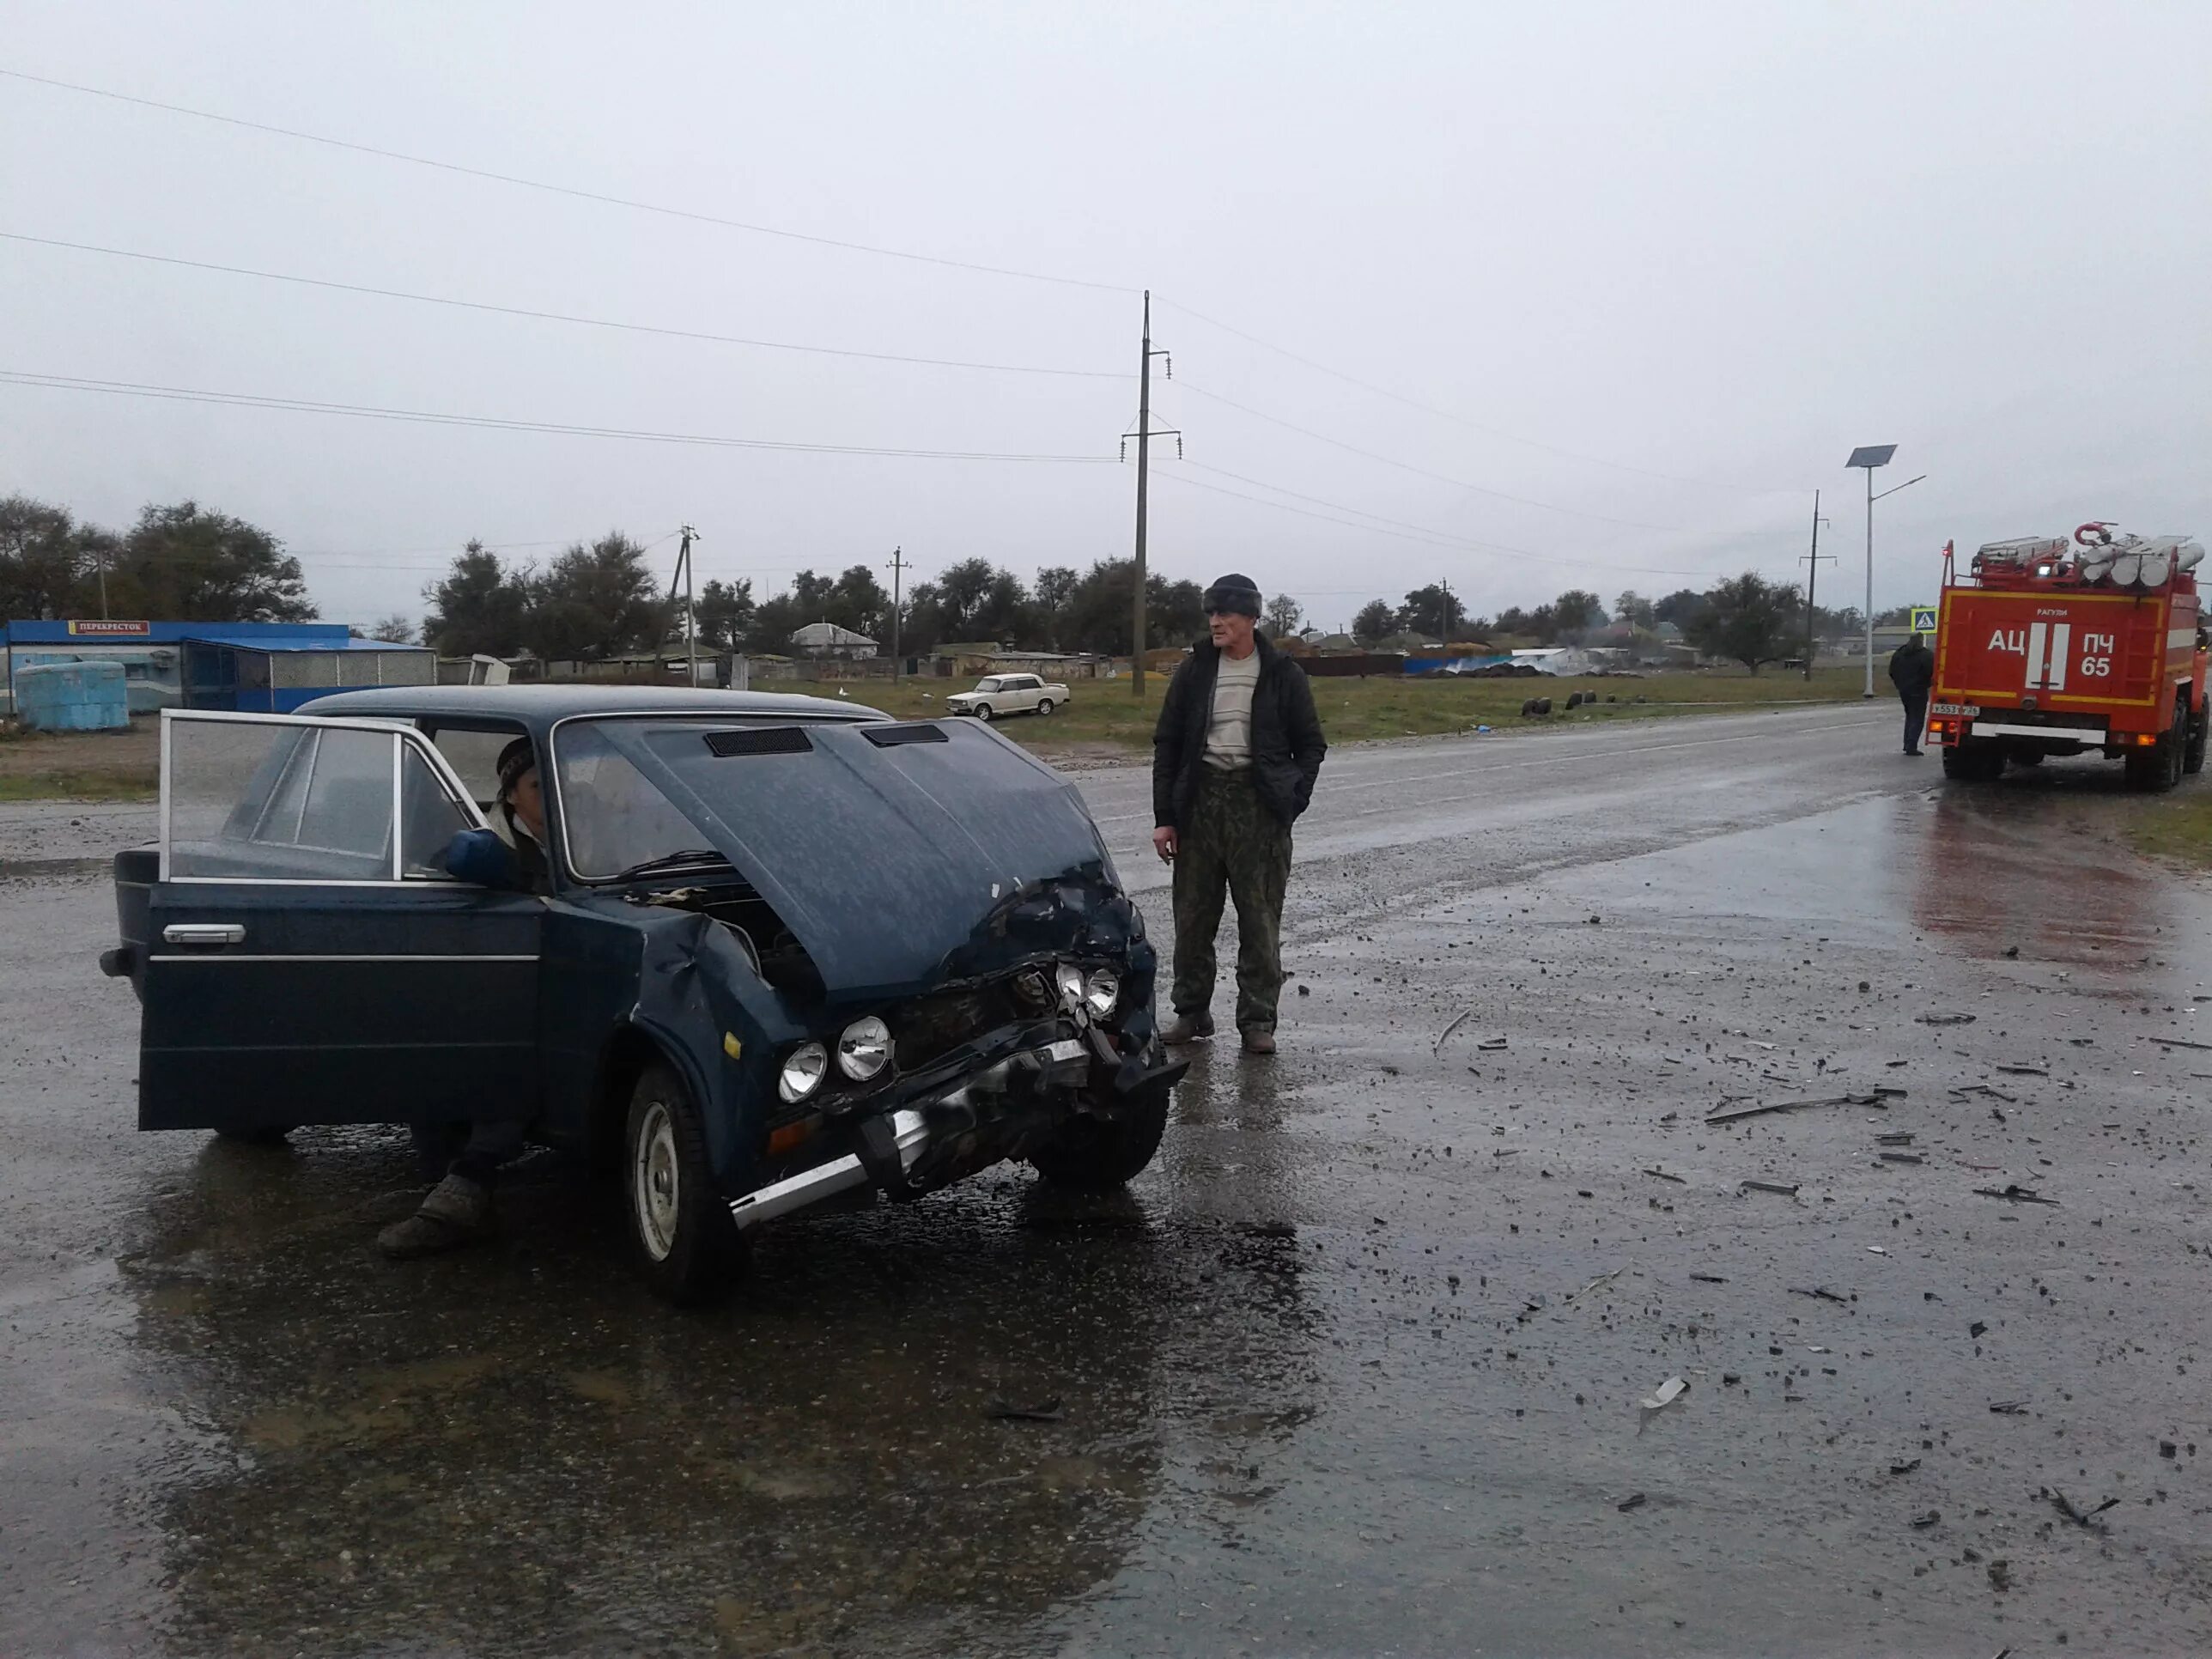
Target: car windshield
[990,685]
[615,819]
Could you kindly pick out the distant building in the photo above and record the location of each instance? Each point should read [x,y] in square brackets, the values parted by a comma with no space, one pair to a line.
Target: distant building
[825,639]
[266,667]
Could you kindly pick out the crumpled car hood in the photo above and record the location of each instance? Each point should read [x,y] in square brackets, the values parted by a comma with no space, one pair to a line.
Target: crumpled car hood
[884,847]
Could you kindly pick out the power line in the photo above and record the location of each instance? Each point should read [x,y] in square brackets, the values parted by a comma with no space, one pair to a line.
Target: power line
[1457,420]
[1407,466]
[1429,538]
[600,196]
[553,316]
[499,423]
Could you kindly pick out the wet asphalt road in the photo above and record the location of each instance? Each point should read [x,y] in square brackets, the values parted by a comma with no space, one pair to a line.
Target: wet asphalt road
[1337,1375]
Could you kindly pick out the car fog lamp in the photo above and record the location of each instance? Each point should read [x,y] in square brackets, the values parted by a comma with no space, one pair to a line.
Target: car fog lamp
[1069,978]
[864,1049]
[804,1068]
[1102,991]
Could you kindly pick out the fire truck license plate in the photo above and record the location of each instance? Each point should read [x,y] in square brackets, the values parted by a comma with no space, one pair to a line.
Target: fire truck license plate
[1965,710]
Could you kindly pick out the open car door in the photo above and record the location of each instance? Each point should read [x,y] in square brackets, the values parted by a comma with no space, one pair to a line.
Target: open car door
[308,960]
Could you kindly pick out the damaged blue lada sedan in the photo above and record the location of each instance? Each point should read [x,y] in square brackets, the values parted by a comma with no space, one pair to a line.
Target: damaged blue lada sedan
[784,951]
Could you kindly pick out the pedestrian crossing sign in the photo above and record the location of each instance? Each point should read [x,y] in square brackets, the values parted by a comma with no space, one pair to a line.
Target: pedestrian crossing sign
[1924,619]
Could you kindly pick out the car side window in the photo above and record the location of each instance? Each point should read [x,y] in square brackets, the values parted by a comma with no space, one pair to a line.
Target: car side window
[262,799]
[429,818]
[474,757]
[248,801]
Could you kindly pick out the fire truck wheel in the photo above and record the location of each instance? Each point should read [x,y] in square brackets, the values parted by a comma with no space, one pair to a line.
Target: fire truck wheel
[2027,757]
[1973,760]
[2158,768]
[2192,758]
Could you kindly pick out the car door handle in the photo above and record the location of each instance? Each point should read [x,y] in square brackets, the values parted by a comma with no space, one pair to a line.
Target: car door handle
[203,932]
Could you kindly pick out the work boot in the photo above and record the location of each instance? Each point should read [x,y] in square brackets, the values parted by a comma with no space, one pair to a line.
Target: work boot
[1259,1040]
[454,1212]
[1188,1027]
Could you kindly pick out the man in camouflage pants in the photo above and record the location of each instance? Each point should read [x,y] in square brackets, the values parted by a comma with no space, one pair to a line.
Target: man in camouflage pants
[1234,760]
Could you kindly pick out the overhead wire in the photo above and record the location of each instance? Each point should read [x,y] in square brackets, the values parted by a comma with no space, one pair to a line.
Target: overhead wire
[1448,415]
[1423,471]
[558,316]
[501,423]
[603,198]
[1429,538]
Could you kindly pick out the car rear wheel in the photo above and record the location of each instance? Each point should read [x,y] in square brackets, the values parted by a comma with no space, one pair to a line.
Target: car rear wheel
[982,711]
[1097,1154]
[265,1135]
[1044,705]
[683,1240]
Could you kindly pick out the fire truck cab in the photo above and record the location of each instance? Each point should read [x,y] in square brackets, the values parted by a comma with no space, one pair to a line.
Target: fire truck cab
[2046,646]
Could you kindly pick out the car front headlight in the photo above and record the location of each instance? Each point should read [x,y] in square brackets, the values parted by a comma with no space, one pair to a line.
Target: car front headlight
[1069,978]
[865,1048]
[1102,991]
[804,1068]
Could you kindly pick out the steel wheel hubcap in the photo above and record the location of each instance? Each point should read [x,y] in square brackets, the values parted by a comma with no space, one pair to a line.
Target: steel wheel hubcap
[656,1189]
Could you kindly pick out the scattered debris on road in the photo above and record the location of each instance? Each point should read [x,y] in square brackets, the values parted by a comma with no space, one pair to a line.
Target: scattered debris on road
[1005,1412]
[1822,1292]
[1660,1398]
[2015,1193]
[1881,1095]
[1776,1187]
[1928,1520]
[2079,1518]
[2010,1407]
[1944,1019]
[1635,1500]
[1661,1174]
[2025,1071]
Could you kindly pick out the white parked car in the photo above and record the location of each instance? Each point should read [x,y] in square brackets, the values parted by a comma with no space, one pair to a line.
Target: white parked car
[1008,694]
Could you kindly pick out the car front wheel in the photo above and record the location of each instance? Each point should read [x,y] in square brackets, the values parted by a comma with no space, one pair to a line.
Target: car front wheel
[686,1247]
[1097,1154]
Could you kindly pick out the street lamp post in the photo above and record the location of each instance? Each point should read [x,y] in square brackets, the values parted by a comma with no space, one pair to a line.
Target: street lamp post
[1871,456]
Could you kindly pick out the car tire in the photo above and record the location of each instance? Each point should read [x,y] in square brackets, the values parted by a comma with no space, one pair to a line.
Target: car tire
[1097,1154]
[682,1241]
[982,711]
[1044,705]
[265,1135]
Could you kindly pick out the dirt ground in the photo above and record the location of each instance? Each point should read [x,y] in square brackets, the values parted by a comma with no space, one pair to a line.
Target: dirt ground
[81,765]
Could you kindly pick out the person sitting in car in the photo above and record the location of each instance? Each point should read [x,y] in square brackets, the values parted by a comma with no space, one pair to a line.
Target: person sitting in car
[457,1210]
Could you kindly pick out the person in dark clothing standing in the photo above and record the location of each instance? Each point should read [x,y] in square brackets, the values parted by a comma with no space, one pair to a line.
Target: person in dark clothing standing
[1912,670]
[1234,760]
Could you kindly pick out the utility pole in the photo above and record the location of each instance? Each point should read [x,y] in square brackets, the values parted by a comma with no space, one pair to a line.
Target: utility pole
[103,583]
[1144,437]
[898,570]
[690,613]
[1813,579]
[1444,633]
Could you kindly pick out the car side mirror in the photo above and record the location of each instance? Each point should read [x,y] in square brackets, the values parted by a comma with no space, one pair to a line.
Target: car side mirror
[480,857]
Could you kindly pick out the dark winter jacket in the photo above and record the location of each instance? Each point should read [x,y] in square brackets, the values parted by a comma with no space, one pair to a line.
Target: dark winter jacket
[1912,669]
[1287,744]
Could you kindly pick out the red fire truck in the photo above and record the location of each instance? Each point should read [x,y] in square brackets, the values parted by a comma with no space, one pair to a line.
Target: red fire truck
[2046,648]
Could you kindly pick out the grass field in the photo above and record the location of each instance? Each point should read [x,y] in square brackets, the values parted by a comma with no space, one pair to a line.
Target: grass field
[1104,717]
[2178,826]
[81,765]
[1101,723]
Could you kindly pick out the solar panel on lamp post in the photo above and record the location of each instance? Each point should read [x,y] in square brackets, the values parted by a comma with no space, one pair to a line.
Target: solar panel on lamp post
[1871,456]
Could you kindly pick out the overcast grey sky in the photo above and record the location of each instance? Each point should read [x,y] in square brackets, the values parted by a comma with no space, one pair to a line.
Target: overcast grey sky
[1722,243]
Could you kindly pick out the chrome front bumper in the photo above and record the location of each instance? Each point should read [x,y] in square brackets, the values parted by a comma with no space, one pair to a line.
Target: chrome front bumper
[909,1134]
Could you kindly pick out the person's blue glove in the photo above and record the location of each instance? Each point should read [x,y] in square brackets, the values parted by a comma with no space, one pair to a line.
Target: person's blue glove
[480,857]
